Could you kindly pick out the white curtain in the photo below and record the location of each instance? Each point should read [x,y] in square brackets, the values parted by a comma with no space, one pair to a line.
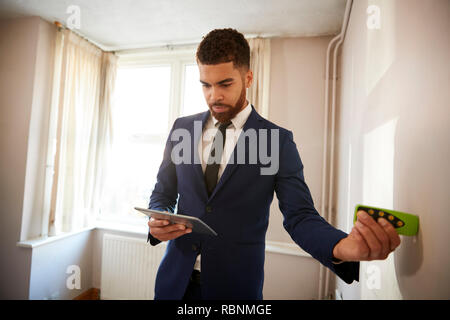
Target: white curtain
[258,93]
[84,80]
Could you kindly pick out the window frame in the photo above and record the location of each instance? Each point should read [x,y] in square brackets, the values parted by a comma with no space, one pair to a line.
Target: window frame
[176,58]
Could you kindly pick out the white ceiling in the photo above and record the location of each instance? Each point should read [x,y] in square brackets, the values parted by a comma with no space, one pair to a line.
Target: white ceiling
[131,24]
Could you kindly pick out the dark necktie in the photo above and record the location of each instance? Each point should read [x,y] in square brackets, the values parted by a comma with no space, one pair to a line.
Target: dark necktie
[212,168]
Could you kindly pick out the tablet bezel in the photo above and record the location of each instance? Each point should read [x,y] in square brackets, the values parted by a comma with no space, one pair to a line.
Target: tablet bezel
[196,224]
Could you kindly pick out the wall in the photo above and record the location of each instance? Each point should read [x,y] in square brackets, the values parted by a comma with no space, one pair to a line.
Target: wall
[50,270]
[394,141]
[18,49]
[297,88]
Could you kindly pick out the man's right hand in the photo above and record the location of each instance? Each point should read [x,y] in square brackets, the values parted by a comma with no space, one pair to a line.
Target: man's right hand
[163,230]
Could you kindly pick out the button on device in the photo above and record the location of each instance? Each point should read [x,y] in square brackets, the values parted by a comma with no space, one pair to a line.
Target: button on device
[378,213]
[208,209]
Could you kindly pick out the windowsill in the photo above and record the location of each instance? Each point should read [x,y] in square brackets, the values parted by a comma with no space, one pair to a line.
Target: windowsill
[271,246]
[34,243]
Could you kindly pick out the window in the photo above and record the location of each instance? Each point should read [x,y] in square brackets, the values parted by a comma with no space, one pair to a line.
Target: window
[193,99]
[150,93]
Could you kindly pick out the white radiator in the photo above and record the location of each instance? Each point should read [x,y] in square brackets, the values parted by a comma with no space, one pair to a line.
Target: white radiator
[129,268]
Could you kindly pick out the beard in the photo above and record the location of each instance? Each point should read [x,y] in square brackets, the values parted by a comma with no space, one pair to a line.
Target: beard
[231,112]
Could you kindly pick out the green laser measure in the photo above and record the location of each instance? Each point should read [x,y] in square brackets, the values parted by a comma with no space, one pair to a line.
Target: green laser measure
[404,223]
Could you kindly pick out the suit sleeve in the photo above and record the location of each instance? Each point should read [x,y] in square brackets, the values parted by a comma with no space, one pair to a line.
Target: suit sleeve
[165,193]
[301,220]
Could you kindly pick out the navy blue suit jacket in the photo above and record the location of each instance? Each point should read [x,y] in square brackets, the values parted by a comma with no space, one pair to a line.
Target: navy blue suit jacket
[232,263]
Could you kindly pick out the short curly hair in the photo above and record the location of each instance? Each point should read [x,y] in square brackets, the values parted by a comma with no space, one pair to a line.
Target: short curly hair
[224,45]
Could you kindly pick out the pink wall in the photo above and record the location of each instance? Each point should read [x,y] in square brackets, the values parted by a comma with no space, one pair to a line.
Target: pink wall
[18,46]
[297,89]
[297,79]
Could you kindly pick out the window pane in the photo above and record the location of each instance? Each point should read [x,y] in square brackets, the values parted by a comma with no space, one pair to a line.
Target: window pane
[140,126]
[142,100]
[193,100]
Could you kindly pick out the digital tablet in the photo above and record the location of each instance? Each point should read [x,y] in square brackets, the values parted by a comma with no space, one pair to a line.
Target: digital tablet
[196,224]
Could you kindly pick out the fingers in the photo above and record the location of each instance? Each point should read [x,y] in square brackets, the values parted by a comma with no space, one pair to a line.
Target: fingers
[356,234]
[394,238]
[377,236]
[362,249]
[157,222]
[372,242]
[164,231]
[171,235]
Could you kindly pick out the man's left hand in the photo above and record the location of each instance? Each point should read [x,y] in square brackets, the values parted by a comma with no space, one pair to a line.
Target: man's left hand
[368,240]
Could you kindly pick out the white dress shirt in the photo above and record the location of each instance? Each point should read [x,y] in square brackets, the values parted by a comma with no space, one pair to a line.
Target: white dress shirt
[232,134]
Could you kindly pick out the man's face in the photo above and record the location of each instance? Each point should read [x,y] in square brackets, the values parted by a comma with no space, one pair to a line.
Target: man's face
[224,88]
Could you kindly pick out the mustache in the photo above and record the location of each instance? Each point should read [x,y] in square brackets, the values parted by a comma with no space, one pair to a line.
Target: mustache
[214,104]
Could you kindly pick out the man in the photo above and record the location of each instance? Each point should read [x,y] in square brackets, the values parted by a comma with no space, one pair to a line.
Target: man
[234,198]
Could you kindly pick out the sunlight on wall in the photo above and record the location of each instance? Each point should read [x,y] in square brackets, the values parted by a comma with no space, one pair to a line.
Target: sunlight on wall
[378,278]
[380,41]
[378,171]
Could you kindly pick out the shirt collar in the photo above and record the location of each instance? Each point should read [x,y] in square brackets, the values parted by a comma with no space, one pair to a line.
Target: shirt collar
[239,119]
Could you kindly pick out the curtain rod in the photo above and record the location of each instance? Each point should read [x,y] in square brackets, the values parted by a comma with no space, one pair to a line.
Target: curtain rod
[61,27]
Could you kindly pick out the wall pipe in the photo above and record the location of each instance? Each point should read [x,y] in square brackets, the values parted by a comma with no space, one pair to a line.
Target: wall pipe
[324,158]
[324,273]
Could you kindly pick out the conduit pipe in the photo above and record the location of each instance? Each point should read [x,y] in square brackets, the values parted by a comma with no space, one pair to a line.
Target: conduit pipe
[324,273]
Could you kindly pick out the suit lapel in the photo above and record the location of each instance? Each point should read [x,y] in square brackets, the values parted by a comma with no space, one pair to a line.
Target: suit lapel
[251,123]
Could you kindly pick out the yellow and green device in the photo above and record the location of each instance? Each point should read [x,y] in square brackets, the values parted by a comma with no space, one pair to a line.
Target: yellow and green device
[404,223]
